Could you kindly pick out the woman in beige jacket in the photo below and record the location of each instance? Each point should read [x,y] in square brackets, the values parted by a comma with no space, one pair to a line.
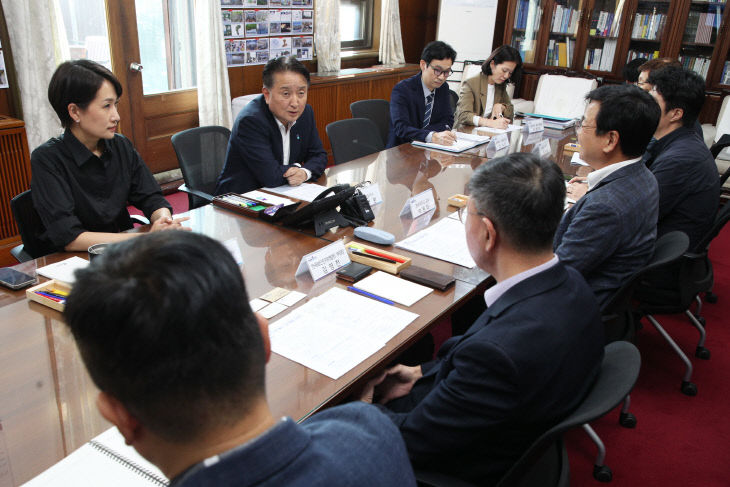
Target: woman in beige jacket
[483,99]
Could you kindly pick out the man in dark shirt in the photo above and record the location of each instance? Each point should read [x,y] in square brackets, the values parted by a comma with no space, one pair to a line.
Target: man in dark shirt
[164,327]
[689,188]
[527,361]
[274,139]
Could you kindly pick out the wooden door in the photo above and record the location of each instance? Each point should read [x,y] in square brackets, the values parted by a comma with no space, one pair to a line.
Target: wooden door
[148,120]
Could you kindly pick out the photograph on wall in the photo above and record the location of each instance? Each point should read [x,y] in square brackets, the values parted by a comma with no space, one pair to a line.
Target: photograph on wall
[236,15]
[302,47]
[238,30]
[236,58]
[234,45]
[302,3]
[3,72]
[231,3]
[280,46]
[280,3]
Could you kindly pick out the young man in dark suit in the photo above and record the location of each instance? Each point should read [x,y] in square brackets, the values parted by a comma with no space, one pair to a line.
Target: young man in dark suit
[164,327]
[419,106]
[689,187]
[274,139]
[610,232]
[527,361]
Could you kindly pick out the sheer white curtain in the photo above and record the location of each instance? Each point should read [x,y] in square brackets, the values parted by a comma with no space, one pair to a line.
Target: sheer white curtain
[391,43]
[214,93]
[38,41]
[327,35]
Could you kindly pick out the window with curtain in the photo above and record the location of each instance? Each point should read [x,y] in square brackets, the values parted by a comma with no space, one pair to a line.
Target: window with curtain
[356,24]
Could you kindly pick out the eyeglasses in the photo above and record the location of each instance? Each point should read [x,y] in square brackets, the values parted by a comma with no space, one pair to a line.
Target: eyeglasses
[463,211]
[441,72]
[579,124]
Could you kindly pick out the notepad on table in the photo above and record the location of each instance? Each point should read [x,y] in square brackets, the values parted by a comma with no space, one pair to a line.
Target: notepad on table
[394,288]
[463,142]
[105,460]
[64,270]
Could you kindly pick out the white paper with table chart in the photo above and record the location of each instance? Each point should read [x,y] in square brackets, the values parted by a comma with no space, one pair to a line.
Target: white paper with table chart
[336,331]
[444,240]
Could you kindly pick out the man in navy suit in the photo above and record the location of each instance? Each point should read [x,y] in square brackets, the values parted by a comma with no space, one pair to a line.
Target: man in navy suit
[609,233]
[419,106]
[274,139]
[689,188]
[527,361]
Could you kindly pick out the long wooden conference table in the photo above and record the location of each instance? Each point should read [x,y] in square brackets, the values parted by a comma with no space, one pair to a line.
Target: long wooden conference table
[47,400]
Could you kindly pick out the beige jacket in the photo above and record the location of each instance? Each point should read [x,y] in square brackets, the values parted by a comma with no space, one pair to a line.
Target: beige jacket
[470,104]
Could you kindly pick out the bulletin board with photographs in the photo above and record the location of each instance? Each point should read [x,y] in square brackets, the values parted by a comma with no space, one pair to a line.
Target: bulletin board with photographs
[258,30]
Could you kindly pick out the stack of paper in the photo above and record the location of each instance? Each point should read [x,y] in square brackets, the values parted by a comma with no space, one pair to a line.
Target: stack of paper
[445,240]
[337,330]
[463,142]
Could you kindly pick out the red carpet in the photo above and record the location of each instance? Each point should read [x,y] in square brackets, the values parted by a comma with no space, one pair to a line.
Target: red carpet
[678,440]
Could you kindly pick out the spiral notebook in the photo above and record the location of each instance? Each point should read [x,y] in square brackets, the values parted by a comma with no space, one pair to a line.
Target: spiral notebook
[104,460]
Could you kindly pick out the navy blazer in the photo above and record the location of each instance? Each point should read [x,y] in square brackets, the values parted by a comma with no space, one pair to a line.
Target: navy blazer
[524,365]
[689,188]
[407,107]
[609,233]
[255,153]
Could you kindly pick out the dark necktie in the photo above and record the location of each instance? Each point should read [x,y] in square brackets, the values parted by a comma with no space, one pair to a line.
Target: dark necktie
[429,108]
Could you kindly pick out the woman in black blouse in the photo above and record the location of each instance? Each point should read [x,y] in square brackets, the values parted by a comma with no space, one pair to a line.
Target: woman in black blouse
[83,180]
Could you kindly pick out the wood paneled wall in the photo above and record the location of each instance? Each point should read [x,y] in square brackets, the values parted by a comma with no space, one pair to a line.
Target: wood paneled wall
[418,21]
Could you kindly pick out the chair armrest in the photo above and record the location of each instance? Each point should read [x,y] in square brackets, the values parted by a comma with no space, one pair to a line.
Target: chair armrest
[184,188]
[20,254]
[139,219]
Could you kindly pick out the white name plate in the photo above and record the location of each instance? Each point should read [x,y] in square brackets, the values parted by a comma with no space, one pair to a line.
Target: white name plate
[372,193]
[324,261]
[500,142]
[419,204]
[534,125]
[543,149]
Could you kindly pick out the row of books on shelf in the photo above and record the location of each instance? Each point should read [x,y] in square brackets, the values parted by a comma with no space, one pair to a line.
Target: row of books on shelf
[601,59]
[633,54]
[560,53]
[698,64]
[725,78]
[524,13]
[603,25]
[700,26]
[648,25]
[526,47]
[565,19]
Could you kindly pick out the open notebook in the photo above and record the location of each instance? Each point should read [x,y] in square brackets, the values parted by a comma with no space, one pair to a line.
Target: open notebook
[463,142]
[104,460]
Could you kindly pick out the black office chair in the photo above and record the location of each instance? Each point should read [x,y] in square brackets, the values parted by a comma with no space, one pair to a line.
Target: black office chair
[352,138]
[545,463]
[376,110]
[453,100]
[201,152]
[31,228]
[617,313]
[674,288]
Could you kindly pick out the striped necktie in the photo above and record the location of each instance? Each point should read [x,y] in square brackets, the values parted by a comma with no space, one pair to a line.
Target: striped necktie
[429,108]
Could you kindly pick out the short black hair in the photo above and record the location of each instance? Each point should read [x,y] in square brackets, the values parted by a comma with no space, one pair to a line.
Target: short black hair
[503,54]
[78,82]
[631,69]
[680,88]
[524,197]
[438,50]
[630,111]
[281,64]
[163,324]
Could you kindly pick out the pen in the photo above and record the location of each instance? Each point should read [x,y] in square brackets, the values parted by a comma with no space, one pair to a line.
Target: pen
[52,298]
[380,254]
[365,293]
[376,257]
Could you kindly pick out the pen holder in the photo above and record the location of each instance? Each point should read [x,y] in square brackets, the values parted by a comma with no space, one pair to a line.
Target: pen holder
[33,295]
[458,200]
[237,203]
[392,268]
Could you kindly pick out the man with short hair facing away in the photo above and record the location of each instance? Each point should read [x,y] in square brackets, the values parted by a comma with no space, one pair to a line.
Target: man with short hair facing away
[164,327]
[609,233]
[420,107]
[689,187]
[527,361]
[274,140]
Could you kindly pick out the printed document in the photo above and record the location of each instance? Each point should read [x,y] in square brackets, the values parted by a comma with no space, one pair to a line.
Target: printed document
[337,330]
[444,240]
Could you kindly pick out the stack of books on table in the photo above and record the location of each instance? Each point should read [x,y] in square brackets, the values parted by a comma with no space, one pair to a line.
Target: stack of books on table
[550,122]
